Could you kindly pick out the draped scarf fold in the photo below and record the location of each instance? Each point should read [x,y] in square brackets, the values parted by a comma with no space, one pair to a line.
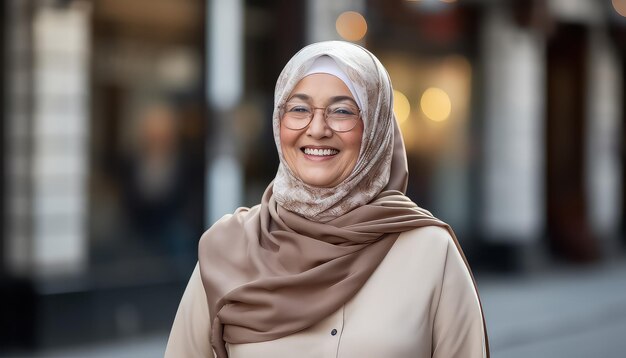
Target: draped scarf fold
[269,272]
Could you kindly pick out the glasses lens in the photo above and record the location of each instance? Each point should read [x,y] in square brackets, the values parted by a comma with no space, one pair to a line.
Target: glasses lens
[296,115]
[342,117]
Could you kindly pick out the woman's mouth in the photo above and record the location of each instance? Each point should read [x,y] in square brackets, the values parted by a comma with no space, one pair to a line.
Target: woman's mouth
[320,152]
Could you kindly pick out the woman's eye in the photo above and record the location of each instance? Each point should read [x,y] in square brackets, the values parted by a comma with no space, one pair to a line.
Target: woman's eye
[303,109]
[342,110]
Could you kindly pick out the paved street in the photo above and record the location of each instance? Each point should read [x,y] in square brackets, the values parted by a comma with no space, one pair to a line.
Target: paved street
[569,312]
[575,312]
[145,347]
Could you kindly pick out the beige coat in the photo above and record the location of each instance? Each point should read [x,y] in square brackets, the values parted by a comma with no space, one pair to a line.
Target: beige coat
[420,302]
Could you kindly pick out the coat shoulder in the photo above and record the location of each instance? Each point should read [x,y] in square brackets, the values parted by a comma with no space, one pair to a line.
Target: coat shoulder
[432,234]
[427,243]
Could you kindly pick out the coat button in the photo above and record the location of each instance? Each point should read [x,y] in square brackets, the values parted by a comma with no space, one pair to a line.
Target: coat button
[333,332]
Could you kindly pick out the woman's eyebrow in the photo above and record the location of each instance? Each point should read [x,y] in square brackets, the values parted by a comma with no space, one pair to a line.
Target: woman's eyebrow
[341,98]
[301,96]
[333,99]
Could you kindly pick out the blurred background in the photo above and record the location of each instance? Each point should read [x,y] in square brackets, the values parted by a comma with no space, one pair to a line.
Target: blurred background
[128,127]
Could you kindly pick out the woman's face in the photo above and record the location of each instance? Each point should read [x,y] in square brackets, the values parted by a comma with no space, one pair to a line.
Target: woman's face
[337,152]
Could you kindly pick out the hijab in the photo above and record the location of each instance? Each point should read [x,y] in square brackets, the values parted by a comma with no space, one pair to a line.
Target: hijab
[373,91]
[268,271]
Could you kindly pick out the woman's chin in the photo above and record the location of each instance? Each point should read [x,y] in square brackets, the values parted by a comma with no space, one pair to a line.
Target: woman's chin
[320,181]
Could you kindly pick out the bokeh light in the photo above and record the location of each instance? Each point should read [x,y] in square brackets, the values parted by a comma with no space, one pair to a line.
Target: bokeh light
[401,106]
[436,104]
[351,26]
[620,7]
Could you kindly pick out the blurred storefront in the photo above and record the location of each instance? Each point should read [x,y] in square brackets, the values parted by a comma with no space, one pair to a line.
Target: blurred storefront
[128,127]
[104,155]
[514,122]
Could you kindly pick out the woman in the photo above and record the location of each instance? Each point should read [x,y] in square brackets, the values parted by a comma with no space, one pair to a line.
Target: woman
[336,261]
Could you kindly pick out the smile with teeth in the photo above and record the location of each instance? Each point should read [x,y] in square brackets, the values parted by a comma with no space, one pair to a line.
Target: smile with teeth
[320,152]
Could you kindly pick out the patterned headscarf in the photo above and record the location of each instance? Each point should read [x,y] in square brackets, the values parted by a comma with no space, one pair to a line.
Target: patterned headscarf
[371,173]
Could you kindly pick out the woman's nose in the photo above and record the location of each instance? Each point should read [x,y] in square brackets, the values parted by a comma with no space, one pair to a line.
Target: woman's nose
[318,127]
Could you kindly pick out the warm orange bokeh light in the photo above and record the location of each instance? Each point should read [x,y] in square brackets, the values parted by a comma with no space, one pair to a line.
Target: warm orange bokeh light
[401,106]
[351,26]
[436,104]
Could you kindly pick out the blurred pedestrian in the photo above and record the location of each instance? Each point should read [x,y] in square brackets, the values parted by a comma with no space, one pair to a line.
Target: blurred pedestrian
[153,181]
[336,261]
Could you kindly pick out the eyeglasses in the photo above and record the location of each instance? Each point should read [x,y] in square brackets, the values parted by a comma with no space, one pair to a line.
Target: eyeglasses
[340,117]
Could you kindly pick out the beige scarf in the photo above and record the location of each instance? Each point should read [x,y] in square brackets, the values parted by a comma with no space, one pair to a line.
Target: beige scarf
[267,270]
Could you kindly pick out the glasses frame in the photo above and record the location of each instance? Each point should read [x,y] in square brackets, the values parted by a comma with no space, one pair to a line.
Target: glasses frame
[282,112]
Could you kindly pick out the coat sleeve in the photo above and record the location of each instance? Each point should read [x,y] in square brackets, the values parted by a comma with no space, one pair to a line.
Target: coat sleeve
[458,329]
[189,337]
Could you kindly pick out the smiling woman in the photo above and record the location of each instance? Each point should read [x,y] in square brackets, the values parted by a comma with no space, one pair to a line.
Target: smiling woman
[317,154]
[336,261]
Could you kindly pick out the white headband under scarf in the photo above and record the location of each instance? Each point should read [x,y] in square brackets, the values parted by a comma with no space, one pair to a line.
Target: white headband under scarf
[325,64]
